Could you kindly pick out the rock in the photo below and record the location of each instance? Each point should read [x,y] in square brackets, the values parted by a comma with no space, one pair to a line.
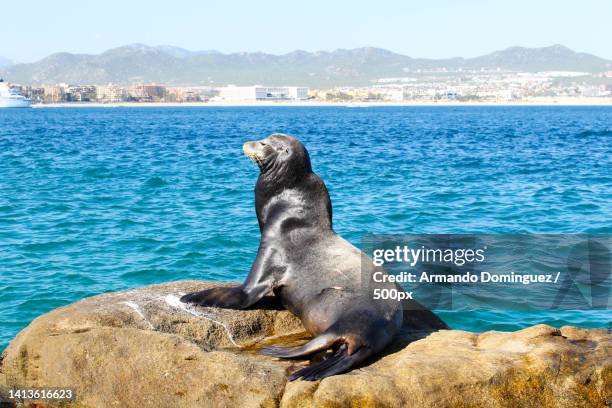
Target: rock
[143,348]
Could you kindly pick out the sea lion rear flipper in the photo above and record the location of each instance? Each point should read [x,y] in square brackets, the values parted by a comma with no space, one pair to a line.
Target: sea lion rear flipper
[319,343]
[340,362]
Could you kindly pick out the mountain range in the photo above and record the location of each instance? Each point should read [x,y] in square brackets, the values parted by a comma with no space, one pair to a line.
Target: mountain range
[177,66]
[5,62]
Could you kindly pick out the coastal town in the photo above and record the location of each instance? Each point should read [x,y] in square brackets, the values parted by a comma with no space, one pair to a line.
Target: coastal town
[485,86]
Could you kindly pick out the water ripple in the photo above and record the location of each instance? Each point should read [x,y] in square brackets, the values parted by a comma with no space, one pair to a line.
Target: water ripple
[95,200]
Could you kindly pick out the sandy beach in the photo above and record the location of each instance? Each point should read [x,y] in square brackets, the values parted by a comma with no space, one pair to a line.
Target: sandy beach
[543,101]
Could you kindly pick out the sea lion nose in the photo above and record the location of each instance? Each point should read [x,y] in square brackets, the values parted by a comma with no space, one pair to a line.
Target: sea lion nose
[248,148]
[253,149]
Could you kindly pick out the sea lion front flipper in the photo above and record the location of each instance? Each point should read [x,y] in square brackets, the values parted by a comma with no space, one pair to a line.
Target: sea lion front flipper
[226,297]
[258,283]
[232,297]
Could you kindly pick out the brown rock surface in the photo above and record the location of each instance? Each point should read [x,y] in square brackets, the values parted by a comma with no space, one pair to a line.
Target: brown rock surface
[143,348]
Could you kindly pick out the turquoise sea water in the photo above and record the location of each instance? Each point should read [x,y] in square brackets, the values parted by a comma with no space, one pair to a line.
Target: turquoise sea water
[101,199]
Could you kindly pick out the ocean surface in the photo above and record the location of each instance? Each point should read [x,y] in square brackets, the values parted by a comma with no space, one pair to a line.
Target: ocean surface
[94,200]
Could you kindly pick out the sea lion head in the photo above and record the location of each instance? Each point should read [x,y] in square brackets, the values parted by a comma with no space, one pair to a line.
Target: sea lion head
[280,157]
[284,166]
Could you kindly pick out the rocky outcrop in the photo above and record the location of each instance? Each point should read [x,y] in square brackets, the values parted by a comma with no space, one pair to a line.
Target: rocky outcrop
[143,348]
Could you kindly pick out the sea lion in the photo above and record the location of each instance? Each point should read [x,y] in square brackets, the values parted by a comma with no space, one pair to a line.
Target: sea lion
[316,273]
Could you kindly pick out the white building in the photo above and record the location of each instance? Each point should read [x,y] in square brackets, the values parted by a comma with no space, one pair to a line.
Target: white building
[263,93]
[111,93]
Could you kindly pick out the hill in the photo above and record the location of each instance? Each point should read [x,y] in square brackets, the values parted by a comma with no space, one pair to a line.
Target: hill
[5,62]
[177,66]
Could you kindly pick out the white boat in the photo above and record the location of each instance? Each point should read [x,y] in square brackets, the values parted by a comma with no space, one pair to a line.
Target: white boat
[9,98]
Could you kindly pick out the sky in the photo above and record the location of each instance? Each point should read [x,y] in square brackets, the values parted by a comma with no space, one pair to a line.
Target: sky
[33,29]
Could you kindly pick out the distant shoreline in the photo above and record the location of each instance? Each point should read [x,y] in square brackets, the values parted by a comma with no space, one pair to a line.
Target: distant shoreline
[548,101]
